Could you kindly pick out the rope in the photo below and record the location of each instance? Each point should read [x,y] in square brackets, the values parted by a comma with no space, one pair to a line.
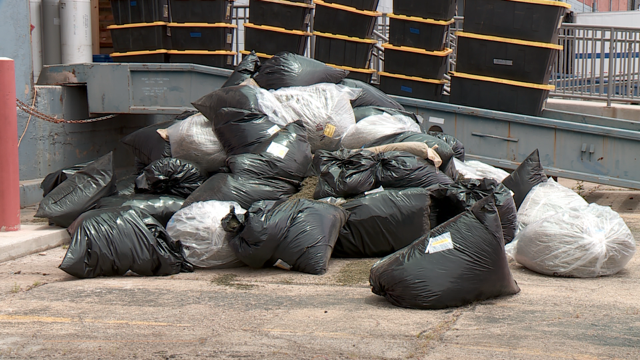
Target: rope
[33,103]
[33,112]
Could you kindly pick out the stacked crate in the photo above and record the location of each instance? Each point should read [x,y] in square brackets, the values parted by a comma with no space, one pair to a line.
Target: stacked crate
[277,25]
[343,31]
[177,31]
[505,54]
[416,57]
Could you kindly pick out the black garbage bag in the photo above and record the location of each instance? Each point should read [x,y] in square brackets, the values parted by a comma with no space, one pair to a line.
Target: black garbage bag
[161,207]
[126,186]
[294,235]
[243,190]
[242,97]
[52,180]
[109,242]
[529,174]
[384,222]
[241,131]
[401,170]
[170,176]
[443,149]
[456,145]
[344,172]
[450,200]
[287,155]
[80,192]
[147,145]
[287,69]
[465,262]
[362,112]
[370,96]
[249,65]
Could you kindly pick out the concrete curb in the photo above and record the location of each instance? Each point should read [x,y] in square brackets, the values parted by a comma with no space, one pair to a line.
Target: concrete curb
[29,240]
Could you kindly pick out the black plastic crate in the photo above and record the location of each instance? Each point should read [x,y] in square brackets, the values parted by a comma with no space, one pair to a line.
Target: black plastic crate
[201,11]
[533,20]
[139,11]
[140,37]
[155,56]
[363,75]
[344,20]
[498,94]
[418,32]
[343,50]
[220,59]
[505,58]
[426,9]
[413,87]
[272,40]
[370,5]
[415,62]
[262,57]
[194,36]
[279,13]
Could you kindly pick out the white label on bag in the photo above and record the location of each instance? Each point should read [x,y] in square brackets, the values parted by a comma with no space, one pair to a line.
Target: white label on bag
[380,189]
[282,265]
[436,120]
[439,243]
[274,129]
[278,150]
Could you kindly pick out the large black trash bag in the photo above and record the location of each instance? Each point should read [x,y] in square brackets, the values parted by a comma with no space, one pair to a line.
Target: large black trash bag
[443,149]
[450,200]
[243,97]
[249,65]
[287,154]
[147,145]
[399,169]
[287,69]
[384,222]
[126,186]
[170,176]
[161,207]
[52,180]
[110,242]
[80,192]
[344,173]
[241,131]
[295,235]
[243,190]
[370,96]
[529,174]
[362,112]
[475,269]
[456,145]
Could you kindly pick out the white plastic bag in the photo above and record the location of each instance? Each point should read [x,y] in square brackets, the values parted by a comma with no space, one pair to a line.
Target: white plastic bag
[193,140]
[205,243]
[546,199]
[376,126]
[325,109]
[578,242]
[472,169]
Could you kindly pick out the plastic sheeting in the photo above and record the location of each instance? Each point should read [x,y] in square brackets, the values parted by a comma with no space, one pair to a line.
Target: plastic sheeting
[79,193]
[456,145]
[370,96]
[147,145]
[194,140]
[383,222]
[457,263]
[472,169]
[441,147]
[287,69]
[345,173]
[161,207]
[296,235]
[586,241]
[198,227]
[111,242]
[172,177]
[399,169]
[529,174]
[248,67]
[374,127]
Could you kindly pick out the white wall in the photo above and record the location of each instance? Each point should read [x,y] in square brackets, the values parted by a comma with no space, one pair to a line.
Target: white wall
[616,18]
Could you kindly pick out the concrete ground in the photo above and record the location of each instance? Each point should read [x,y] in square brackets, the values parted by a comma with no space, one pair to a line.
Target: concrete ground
[271,313]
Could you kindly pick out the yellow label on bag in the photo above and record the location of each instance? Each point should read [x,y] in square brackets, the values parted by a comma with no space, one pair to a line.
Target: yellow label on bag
[329,130]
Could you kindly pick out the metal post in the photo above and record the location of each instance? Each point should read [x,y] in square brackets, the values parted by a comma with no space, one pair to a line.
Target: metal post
[612,58]
[9,165]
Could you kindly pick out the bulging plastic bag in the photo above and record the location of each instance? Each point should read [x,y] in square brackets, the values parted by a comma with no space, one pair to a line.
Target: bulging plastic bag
[586,241]
[456,145]
[344,173]
[383,222]
[126,186]
[248,67]
[286,69]
[147,145]
[80,192]
[194,140]
[161,207]
[296,235]
[370,96]
[363,112]
[399,169]
[440,146]
[52,180]
[172,177]
[528,174]
[374,127]
[472,169]
[457,263]
[198,227]
[109,242]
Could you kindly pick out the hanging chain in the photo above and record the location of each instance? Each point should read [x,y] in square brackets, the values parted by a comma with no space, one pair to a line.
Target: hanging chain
[32,111]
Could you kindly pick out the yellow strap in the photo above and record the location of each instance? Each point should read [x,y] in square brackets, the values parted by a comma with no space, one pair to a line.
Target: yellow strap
[247,52]
[445,52]
[290,3]
[203,25]
[157,23]
[503,81]
[201,52]
[276,29]
[509,41]
[143,52]
[363,71]
[419,19]
[349,9]
[412,78]
[545,2]
[343,37]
